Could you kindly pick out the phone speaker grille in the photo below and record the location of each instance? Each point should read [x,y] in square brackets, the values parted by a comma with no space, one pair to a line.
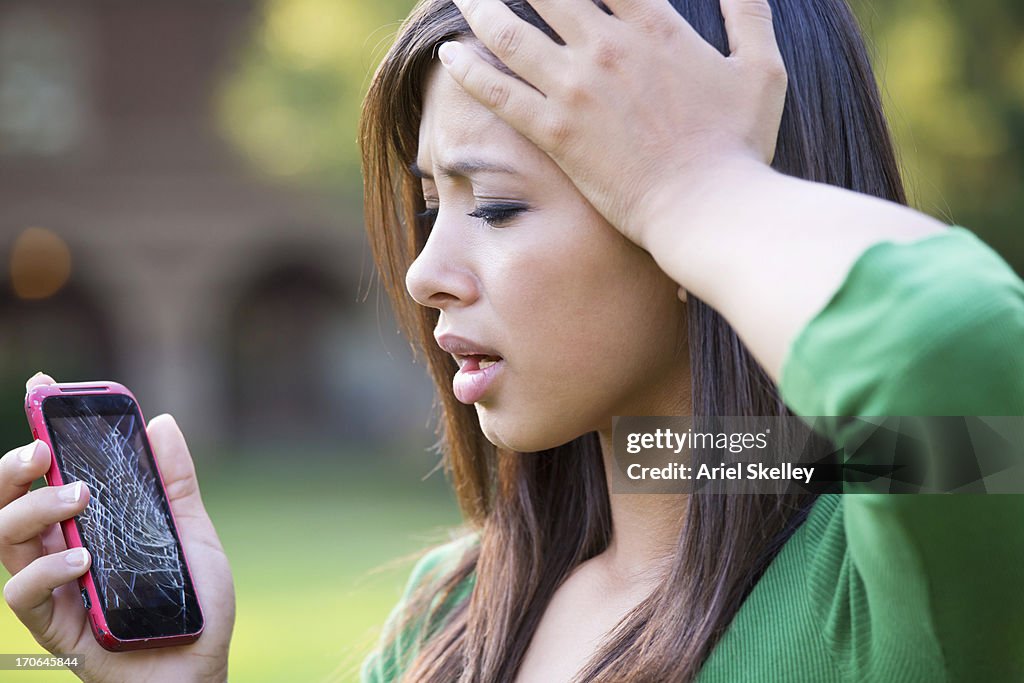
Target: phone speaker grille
[75,390]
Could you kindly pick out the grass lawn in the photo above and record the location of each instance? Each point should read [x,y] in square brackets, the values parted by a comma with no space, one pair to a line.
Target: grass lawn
[313,543]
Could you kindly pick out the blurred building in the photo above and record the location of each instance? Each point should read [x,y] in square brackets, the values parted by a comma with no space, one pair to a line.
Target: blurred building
[138,247]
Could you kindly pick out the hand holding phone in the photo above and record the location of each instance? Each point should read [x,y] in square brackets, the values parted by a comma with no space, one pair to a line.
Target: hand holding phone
[136,605]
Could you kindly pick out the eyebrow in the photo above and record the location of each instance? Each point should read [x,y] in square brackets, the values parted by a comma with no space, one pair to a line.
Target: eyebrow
[462,168]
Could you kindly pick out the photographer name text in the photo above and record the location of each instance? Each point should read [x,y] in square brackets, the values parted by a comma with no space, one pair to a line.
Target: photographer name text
[738,471]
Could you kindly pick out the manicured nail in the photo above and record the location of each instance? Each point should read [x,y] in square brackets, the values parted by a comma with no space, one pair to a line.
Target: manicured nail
[76,557]
[447,52]
[70,493]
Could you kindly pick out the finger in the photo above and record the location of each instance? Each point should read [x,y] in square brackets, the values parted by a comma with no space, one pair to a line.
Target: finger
[173,458]
[53,540]
[633,10]
[30,592]
[38,379]
[23,522]
[572,20]
[198,536]
[522,47]
[511,99]
[176,468]
[658,20]
[748,24]
[20,467]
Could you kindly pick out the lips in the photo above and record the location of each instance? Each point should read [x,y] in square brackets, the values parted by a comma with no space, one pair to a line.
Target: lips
[479,365]
[460,346]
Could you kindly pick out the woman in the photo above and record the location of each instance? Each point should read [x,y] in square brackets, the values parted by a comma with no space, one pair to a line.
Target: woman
[567,293]
[589,289]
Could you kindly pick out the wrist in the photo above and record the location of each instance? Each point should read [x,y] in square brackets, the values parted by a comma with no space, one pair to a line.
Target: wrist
[696,223]
[697,195]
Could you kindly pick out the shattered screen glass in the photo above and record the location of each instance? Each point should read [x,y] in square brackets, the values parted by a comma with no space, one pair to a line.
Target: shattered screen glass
[136,558]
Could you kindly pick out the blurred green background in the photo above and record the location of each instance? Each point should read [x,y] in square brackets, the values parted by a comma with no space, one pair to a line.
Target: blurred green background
[179,211]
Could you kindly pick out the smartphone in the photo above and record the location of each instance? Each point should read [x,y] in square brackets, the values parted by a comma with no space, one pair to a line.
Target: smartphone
[138,591]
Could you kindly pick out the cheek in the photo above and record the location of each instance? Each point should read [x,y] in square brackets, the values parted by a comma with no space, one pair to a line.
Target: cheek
[587,317]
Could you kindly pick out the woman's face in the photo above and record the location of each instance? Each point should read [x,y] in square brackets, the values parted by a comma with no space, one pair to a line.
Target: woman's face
[521,266]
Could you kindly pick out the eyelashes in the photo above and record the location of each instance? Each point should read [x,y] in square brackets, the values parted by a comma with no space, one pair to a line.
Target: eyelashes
[494,215]
[427,216]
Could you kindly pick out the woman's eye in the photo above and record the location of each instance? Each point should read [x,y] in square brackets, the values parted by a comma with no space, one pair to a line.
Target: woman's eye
[428,214]
[496,215]
[426,218]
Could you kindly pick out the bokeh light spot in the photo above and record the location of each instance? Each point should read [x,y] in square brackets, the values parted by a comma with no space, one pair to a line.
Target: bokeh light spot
[40,264]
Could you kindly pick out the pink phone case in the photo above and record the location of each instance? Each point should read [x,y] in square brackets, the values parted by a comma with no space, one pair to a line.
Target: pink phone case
[34,410]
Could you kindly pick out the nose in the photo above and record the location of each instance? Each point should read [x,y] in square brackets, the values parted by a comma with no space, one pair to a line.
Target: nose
[442,273]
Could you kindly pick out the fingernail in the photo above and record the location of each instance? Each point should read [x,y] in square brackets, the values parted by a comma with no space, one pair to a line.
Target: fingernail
[76,557]
[162,417]
[70,493]
[446,53]
[28,452]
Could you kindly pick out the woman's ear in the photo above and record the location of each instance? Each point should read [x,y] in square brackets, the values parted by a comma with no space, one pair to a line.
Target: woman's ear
[681,294]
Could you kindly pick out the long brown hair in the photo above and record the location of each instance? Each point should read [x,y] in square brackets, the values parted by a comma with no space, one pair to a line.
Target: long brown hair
[539,515]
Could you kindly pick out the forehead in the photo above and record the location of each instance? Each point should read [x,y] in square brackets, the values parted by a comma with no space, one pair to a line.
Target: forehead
[455,125]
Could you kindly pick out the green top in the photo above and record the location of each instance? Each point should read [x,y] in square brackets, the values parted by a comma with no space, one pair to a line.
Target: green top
[882,587]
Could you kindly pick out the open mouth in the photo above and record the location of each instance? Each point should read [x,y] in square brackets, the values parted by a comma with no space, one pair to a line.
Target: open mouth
[477,372]
[475,362]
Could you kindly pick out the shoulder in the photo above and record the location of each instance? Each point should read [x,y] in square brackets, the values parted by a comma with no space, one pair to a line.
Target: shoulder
[404,630]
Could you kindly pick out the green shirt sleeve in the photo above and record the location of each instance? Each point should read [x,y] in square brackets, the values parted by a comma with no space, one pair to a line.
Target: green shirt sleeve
[392,656]
[930,327]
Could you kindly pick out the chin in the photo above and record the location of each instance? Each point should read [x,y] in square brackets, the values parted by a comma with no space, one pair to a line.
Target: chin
[524,434]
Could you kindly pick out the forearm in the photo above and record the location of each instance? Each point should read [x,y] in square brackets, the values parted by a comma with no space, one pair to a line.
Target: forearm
[768,251]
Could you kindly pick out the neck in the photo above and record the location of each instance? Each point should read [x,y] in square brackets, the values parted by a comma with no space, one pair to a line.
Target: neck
[645,528]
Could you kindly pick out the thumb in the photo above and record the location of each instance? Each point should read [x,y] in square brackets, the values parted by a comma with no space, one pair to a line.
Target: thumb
[748,24]
[176,467]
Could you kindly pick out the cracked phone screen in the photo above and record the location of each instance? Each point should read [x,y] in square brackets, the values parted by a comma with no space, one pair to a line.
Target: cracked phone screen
[137,562]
